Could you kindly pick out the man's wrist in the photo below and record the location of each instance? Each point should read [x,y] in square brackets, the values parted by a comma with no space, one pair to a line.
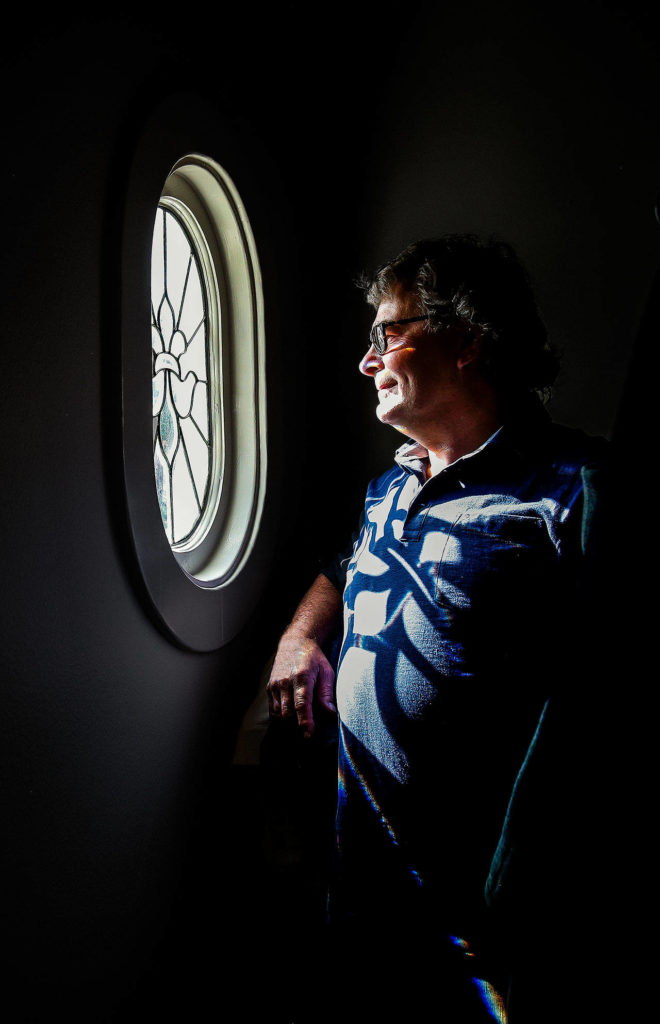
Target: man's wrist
[299,634]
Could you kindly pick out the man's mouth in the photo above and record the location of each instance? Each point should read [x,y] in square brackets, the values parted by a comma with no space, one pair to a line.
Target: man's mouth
[387,385]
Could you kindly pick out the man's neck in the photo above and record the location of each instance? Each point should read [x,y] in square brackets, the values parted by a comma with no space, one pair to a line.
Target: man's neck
[438,462]
[464,434]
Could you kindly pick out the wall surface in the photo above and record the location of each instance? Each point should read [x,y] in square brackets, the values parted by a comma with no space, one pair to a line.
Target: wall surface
[131,849]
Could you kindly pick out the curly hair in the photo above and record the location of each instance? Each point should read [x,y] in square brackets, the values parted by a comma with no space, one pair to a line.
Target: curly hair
[461,279]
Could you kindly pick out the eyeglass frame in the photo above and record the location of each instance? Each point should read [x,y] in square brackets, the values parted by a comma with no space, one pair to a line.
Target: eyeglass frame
[377,337]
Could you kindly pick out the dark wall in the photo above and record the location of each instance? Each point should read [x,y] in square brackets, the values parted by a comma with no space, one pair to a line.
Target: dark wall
[537,123]
[347,138]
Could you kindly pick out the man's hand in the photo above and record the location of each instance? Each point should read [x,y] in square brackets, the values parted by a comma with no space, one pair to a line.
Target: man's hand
[301,674]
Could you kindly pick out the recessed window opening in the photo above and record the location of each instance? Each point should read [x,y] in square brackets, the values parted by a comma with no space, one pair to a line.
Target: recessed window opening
[191,302]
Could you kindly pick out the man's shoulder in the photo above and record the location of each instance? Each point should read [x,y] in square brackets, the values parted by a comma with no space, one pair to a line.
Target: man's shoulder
[574,447]
[379,486]
[533,434]
[562,464]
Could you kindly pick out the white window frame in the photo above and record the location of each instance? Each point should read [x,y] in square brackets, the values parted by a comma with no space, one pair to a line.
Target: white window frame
[199,186]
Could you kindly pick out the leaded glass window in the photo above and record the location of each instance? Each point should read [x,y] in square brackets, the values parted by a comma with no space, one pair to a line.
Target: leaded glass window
[182,376]
[196,495]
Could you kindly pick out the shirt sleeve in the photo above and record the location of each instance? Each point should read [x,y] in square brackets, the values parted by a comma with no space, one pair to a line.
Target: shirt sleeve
[335,570]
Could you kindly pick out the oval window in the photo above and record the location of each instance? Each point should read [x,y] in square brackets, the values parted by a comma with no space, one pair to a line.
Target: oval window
[195,458]
[207,351]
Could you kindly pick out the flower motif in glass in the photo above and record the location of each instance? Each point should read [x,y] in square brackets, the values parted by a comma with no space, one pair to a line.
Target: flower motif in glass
[180,375]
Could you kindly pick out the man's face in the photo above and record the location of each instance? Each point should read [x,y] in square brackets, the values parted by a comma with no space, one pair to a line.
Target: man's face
[418,378]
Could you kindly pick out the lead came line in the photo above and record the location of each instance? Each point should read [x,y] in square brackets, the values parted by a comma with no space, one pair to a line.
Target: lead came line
[183,296]
[190,472]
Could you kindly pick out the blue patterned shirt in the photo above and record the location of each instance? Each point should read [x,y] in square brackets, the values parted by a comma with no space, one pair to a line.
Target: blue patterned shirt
[457,597]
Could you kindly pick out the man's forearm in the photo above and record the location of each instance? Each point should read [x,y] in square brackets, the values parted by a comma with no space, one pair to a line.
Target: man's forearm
[318,616]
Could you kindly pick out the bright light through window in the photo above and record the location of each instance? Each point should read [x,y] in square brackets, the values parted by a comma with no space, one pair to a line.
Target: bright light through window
[183,336]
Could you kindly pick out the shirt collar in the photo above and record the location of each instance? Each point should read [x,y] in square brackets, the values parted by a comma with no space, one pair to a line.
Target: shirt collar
[525,425]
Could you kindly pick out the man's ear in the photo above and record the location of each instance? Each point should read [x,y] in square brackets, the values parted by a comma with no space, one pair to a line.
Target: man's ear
[470,347]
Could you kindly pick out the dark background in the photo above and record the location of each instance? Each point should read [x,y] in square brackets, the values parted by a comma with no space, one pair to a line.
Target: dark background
[137,880]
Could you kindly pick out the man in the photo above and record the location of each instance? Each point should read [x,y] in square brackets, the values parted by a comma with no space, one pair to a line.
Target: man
[456,599]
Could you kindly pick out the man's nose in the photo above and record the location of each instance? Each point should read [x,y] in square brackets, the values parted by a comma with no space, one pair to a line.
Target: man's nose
[371,363]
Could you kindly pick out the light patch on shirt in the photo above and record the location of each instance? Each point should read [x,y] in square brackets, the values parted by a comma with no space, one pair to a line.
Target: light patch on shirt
[360,713]
[380,513]
[414,576]
[355,684]
[423,635]
[452,553]
[434,546]
[347,619]
[370,613]
[362,545]
[414,692]
[449,511]
[369,564]
[408,492]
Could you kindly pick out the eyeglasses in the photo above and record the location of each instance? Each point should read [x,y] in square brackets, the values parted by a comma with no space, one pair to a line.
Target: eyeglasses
[377,335]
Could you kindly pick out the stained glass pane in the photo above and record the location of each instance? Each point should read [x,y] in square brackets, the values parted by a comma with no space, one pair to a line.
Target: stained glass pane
[180,384]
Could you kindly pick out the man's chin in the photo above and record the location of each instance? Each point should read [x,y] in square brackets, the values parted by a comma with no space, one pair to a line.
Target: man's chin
[390,418]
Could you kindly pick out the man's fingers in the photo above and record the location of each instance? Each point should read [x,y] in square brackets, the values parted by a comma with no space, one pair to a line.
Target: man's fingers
[325,687]
[303,690]
[273,698]
[287,697]
[279,697]
[286,704]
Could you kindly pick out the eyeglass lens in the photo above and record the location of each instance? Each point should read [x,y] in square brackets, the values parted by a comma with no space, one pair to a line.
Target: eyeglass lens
[378,338]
